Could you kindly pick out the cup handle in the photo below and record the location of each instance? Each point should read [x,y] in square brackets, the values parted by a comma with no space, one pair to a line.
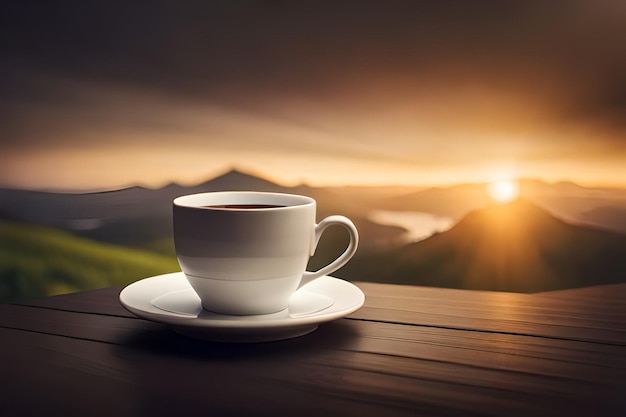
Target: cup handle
[343,258]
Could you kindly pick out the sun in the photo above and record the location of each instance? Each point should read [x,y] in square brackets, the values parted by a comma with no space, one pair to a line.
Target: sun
[503,191]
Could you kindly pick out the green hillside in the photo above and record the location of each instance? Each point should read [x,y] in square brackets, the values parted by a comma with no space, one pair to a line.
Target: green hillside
[36,261]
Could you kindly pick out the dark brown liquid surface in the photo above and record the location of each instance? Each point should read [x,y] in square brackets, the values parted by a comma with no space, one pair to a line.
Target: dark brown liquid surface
[243,206]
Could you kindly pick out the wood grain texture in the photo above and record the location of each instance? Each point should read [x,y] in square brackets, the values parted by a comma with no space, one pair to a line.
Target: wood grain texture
[600,317]
[409,351]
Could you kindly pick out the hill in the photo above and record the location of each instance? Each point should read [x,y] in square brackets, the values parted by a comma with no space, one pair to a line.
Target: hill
[510,247]
[36,260]
[606,217]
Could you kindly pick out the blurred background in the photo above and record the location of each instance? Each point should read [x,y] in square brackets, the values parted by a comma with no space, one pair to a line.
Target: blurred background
[477,145]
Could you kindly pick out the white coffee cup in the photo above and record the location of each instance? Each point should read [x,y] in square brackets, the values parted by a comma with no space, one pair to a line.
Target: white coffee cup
[245,253]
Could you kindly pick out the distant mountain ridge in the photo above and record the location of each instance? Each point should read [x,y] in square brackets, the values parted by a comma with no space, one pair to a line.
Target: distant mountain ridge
[504,247]
[64,209]
[454,201]
[523,246]
[136,215]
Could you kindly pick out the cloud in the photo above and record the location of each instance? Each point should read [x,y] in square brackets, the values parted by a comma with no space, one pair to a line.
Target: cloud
[420,84]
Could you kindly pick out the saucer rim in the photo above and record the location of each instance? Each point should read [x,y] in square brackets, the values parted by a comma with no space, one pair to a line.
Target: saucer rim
[226,322]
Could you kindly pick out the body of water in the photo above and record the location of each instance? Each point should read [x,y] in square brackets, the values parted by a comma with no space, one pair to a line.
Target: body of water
[419,225]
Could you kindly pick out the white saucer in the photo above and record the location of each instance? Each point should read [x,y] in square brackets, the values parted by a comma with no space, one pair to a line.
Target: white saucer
[170,299]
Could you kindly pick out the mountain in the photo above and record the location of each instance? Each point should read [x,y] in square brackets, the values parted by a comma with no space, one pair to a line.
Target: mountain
[566,200]
[96,211]
[516,247]
[139,216]
[606,217]
[134,214]
[237,180]
[453,201]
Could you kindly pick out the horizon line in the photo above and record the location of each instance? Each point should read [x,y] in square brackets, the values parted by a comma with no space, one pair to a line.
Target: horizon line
[253,173]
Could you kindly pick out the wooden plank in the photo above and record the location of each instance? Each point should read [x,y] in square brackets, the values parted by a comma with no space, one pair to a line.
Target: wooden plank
[540,315]
[556,314]
[550,358]
[612,297]
[513,304]
[151,384]
[99,301]
[95,327]
[113,329]
[511,353]
[603,293]
[496,312]
[196,377]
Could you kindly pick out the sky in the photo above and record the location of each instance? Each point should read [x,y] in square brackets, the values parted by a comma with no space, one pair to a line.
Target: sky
[106,94]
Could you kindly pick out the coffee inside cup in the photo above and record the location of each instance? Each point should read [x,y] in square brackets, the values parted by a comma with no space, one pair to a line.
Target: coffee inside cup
[243,206]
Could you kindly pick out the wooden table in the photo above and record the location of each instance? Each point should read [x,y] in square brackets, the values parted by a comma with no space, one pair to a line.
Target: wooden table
[408,351]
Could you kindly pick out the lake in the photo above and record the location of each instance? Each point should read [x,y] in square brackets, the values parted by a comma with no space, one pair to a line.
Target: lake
[419,225]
